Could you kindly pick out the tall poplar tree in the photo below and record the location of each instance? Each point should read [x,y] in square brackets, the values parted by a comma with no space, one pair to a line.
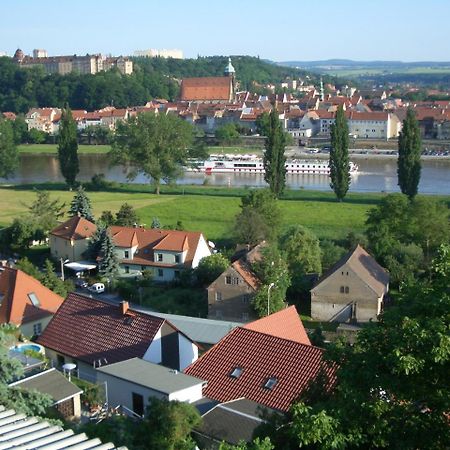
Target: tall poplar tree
[274,159]
[409,148]
[68,147]
[9,156]
[339,160]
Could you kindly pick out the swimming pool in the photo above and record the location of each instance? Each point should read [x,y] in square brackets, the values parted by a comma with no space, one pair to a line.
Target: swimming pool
[23,347]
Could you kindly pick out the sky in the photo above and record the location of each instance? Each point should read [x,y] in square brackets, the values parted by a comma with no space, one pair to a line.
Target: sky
[289,30]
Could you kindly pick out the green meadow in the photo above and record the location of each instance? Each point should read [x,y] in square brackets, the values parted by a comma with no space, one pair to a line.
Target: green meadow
[53,148]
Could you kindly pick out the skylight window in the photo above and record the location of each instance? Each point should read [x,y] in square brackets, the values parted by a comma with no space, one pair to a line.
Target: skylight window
[237,372]
[34,300]
[270,383]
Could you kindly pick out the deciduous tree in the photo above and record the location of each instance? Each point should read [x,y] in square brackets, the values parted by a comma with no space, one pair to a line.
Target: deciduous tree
[339,161]
[9,157]
[210,268]
[409,150]
[68,147]
[126,216]
[274,159]
[156,145]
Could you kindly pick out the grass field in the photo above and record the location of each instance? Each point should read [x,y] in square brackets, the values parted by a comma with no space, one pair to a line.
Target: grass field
[53,148]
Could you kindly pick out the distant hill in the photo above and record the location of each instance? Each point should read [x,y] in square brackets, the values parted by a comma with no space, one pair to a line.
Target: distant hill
[348,63]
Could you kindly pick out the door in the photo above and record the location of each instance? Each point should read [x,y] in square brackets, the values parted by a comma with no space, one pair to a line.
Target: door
[138,403]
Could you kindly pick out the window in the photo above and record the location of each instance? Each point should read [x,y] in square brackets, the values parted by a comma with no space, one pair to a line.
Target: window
[159,257]
[127,269]
[236,372]
[142,268]
[218,296]
[270,383]
[37,329]
[34,300]
[342,289]
[127,254]
[228,279]
[347,289]
[160,273]
[244,317]
[60,360]
[245,299]
[177,259]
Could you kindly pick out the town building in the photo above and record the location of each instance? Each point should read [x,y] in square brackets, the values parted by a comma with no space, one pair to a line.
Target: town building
[354,289]
[162,53]
[25,302]
[92,333]
[166,253]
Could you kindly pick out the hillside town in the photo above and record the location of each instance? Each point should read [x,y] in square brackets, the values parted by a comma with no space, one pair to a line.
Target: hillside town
[245,309]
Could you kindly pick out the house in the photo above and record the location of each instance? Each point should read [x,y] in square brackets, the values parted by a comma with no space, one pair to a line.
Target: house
[93,333]
[353,289]
[25,302]
[20,431]
[270,367]
[65,395]
[164,252]
[230,294]
[232,422]
[132,382]
[70,239]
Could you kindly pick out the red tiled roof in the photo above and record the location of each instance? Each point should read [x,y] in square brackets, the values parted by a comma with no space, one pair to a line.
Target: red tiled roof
[149,240]
[88,329]
[16,306]
[206,88]
[245,271]
[285,324]
[260,356]
[75,228]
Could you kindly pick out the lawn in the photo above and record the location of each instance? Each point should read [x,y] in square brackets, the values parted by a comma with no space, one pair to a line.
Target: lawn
[53,148]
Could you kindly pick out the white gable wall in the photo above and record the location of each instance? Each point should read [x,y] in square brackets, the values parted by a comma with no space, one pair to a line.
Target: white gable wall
[188,351]
[202,251]
[154,353]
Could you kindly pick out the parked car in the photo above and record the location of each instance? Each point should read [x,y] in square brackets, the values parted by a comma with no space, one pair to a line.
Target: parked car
[98,288]
[79,282]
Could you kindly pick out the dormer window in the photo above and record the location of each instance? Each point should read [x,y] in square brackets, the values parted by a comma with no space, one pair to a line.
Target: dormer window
[159,257]
[177,259]
[237,372]
[270,383]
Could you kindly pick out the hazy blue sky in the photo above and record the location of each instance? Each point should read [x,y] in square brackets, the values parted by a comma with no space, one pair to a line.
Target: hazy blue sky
[407,30]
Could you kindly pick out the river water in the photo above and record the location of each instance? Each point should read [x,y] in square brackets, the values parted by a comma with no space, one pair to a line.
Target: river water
[376,174]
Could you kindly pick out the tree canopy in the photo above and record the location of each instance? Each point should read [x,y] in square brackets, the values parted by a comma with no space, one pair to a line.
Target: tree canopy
[126,216]
[9,157]
[156,145]
[68,147]
[409,150]
[81,205]
[274,159]
[339,161]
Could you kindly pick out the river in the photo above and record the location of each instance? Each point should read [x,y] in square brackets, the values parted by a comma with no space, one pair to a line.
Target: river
[376,174]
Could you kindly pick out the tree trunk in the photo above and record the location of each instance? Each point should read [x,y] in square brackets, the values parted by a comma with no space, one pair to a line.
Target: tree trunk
[157,189]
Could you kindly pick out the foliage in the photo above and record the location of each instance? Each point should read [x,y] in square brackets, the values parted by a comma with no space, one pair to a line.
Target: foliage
[405,235]
[68,147]
[168,425]
[339,160]
[409,150]
[210,268]
[259,219]
[45,212]
[25,265]
[9,157]
[156,145]
[81,205]
[392,386]
[20,234]
[106,218]
[155,223]
[331,253]
[227,134]
[50,280]
[272,270]
[274,159]
[108,264]
[317,338]
[126,216]
[256,444]
[94,245]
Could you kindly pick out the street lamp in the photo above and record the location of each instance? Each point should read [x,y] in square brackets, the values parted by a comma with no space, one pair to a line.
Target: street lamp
[62,267]
[271,285]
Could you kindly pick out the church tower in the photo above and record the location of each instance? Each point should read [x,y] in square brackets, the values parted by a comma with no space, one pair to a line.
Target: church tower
[230,72]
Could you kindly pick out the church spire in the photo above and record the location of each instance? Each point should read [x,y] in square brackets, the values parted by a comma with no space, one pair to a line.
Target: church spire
[229,69]
[322,94]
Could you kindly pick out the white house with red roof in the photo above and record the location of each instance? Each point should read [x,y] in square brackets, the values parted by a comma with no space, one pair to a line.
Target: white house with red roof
[93,333]
[270,361]
[25,302]
[164,252]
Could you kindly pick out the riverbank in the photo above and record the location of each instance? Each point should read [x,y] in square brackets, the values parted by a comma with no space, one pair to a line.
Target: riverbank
[209,209]
[52,149]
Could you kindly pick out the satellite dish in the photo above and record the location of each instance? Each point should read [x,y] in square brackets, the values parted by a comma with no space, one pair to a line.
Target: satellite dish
[211,244]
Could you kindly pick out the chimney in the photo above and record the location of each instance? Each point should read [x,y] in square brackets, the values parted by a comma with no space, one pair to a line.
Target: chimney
[124,307]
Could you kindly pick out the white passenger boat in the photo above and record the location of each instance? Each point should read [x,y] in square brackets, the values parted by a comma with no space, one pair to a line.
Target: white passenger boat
[254,164]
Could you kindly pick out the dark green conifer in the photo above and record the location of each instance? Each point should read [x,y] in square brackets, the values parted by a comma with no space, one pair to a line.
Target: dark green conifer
[68,147]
